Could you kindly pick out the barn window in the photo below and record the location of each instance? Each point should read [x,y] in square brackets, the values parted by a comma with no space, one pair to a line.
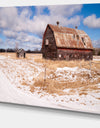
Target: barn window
[47,42]
[74,36]
[77,40]
[83,41]
[59,55]
[77,37]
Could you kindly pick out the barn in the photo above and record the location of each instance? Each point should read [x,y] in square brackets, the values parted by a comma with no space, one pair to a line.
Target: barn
[64,43]
[20,53]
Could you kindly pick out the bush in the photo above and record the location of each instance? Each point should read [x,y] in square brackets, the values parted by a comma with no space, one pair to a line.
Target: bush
[99,53]
[93,51]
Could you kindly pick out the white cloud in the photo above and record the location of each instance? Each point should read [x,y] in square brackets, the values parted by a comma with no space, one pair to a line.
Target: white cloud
[96,43]
[65,10]
[92,21]
[17,24]
[10,34]
[40,9]
[25,37]
[57,13]
[74,21]
[24,40]
[8,17]
[11,18]
[1,41]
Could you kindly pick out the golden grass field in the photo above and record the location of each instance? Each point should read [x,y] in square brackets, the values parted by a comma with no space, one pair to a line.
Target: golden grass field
[52,85]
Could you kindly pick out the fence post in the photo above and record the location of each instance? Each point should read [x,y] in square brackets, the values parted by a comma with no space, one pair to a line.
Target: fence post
[90,68]
[45,73]
[90,65]
[80,65]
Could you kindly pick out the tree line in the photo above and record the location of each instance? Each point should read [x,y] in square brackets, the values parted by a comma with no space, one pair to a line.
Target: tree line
[14,50]
[96,51]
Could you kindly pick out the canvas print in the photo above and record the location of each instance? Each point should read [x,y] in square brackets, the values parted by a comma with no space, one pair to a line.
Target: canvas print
[50,56]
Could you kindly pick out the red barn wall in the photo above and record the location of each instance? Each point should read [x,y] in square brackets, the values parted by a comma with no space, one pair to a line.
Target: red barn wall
[74,54]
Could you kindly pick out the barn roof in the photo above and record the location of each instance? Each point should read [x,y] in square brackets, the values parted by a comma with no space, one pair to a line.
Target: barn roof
[20,50]
[70,38]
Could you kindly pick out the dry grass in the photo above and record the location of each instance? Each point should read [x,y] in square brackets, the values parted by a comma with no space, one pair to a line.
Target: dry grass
[51,64]
[54,64]
[24,83]
[98,98]
[83,93]
[32,88]
[13,55]
[49,87]
[52,85]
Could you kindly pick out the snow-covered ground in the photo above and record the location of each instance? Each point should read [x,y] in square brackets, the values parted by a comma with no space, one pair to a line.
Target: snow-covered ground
[16,77]
[9,93]
[96,58]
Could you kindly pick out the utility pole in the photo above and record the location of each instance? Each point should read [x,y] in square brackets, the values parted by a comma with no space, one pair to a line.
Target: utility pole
[6,49]
[90,67]
[16,47]
[46,43]
[45,72]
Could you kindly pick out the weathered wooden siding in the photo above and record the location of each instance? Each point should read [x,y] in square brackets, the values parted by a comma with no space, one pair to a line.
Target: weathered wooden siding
[74,54]
[49,51]
[66,44]
[20,53]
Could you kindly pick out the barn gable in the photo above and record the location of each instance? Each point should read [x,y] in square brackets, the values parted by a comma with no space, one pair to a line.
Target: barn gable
[49,48]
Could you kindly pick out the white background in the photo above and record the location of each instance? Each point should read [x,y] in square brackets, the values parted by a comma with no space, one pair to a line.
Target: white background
[18,116]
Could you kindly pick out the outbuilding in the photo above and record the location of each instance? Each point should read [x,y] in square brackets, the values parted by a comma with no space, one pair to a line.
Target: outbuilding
[20,53]
[64,43]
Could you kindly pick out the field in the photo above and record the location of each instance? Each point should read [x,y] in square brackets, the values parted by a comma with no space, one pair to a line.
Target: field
[71,85]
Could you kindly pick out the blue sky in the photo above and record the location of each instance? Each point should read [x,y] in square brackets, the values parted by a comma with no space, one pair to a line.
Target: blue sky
[24,26]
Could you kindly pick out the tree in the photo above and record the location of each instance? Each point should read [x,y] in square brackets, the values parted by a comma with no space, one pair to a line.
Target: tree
[99,53]
[93,51]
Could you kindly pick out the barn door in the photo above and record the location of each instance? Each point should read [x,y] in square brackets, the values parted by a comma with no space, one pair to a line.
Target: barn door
[67,57]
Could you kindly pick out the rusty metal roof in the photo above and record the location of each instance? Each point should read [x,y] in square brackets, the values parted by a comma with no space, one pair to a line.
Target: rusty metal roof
[20,50]
[71,38]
